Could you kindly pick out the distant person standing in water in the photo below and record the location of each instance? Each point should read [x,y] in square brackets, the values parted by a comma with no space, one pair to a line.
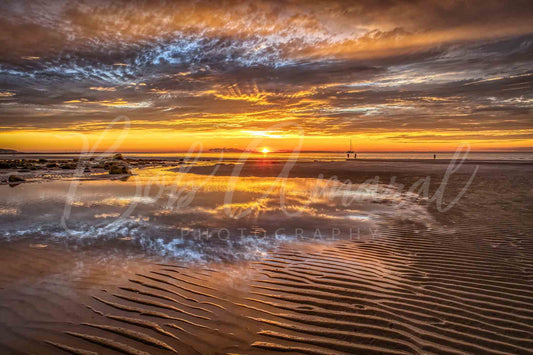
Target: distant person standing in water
[434,156]
[355,155]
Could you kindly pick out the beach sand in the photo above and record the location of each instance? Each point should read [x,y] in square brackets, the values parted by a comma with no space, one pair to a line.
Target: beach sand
[461,285]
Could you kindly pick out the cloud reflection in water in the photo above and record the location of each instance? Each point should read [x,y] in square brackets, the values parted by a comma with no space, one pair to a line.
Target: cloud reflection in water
[193,217]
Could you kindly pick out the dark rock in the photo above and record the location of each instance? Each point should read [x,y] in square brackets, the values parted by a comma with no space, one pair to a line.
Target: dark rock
[15,178]
[68,166]
[118,169]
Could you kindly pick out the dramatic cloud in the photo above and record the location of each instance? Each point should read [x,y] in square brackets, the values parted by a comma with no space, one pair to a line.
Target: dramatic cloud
[396,71]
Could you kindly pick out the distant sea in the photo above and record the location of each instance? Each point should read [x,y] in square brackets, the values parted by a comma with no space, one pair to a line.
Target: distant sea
[302,156]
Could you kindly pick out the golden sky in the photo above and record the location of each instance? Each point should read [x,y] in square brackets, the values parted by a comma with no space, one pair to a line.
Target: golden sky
[392,75]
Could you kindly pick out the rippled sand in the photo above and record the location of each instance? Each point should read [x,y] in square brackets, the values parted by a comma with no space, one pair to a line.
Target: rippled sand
[425,282]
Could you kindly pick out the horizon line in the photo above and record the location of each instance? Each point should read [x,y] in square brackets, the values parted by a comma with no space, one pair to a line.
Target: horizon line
[510,150]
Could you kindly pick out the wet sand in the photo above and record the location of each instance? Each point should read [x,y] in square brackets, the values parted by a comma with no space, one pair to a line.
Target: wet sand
[463,285]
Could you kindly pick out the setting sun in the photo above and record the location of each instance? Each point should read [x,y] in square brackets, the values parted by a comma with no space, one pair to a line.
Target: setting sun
[265,151]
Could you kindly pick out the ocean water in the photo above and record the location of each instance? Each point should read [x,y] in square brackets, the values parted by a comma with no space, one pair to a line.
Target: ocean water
[340,156]
[301,156]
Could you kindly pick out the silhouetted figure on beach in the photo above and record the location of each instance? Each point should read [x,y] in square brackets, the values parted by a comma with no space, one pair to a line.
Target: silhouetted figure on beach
[434,156]
[347,155]
[355,155]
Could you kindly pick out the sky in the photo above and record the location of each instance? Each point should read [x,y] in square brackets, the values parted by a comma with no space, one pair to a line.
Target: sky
[166,75]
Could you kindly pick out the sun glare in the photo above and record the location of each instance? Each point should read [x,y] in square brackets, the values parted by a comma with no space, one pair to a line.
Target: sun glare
[265,151]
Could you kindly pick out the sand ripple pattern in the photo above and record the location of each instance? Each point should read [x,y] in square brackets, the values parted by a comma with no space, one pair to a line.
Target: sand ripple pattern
[408,291]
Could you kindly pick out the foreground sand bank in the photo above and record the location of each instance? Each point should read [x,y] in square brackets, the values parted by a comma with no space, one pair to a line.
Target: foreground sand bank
[464,288]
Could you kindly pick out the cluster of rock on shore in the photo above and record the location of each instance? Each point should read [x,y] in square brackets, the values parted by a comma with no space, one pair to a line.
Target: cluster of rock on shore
[114,165]
[15,171]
